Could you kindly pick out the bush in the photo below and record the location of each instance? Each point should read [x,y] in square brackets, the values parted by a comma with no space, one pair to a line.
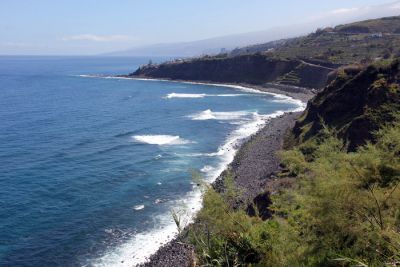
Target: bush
[347,204]
[343,211]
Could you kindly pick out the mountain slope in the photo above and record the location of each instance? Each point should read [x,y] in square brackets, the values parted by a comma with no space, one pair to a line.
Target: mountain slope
[214,45]
[356,104]
[383,25]
[305,61]
[230,42]
[343,44]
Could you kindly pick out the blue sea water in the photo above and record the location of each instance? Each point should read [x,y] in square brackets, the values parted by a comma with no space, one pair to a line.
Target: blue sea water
[90,168]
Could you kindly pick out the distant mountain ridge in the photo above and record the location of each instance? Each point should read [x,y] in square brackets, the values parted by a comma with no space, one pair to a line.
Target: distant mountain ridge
[309,61]
[343,44]
[213,46]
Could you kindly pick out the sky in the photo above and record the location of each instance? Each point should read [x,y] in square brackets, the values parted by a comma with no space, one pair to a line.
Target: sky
[79,27]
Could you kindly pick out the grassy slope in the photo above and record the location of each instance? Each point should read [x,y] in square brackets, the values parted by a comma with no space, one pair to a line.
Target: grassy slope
[343,44]
[384,25]
[344,209]
[305,61]
[355,104]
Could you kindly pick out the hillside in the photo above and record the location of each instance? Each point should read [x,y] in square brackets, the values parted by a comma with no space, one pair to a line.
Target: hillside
[331,195]
[325,206]
[213,46]
[356,104]
[344,44]
[253,69]
[388,25]
[305,61]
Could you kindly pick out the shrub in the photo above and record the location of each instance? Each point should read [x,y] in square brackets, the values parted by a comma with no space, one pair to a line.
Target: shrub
[344,210]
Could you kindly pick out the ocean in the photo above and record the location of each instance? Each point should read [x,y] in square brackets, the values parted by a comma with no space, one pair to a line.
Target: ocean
[91,168]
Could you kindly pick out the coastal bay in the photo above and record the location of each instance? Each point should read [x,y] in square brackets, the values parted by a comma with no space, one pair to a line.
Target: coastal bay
[57,125]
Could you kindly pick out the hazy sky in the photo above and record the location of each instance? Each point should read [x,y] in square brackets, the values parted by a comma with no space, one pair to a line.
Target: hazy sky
[95,26]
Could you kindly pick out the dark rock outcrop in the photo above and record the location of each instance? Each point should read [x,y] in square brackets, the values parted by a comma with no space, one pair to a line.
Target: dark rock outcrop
[356,104]
[260,206]
[254,69]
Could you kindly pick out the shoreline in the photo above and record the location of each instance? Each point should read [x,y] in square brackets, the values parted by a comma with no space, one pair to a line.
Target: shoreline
[252,177]
[178,253]
[175,252]
[279,90]
[297,93]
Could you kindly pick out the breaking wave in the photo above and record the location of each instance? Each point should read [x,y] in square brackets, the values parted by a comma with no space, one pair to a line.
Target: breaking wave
[181,95]
[211,115]
[161,140]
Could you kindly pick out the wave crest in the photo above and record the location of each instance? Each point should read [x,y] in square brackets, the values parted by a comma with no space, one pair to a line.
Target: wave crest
[138,207]
[161,140]
[186,95]
[211,115]
[176,95]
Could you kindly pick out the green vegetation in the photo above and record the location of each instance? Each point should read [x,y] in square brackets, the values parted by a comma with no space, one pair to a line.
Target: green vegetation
[357,103]
[363,41]
[344,210]
[252,69]
[341,48]
[343,205]
[384,25]
[309,61]
[342,156]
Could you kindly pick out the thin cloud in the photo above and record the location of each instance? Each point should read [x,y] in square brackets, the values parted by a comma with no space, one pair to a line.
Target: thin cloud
[395,6]
[98,38]
[344,10]
[343,15]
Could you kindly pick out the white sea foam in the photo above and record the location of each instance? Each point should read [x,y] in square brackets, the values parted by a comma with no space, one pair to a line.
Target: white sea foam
[207,168]
[187,95]
[161,140]
[214,154]
[138,207]
[211,115]
[138,249]
[108,231]
[176,95]
[278,97]
[158,201]
[227,151]
[228,95]
[103,76]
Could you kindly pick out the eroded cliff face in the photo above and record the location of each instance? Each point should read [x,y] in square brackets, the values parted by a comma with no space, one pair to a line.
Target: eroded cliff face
[252,69]
[357,103]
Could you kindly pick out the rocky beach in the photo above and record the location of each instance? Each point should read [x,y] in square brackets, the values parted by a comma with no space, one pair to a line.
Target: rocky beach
[254,167]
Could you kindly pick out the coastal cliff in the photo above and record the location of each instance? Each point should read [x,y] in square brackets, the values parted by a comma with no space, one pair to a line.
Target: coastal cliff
[254,69]
[356,104]
[319,188]
[314,203]
[322,205]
